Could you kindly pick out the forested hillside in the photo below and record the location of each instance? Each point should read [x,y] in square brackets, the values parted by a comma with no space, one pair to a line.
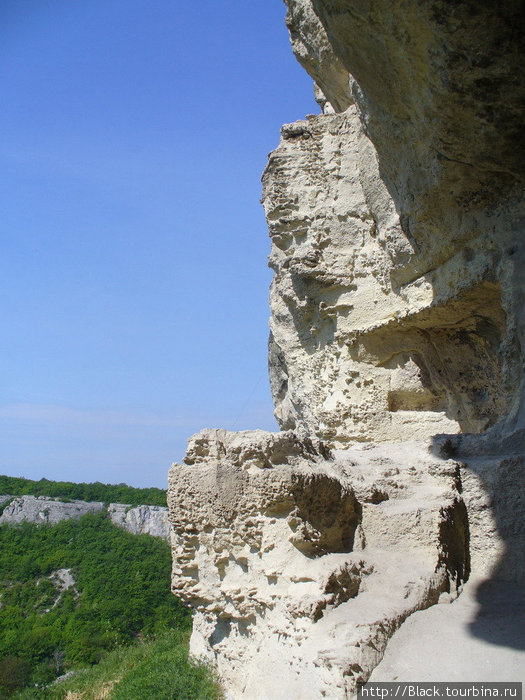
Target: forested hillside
[108,493]
[72,592]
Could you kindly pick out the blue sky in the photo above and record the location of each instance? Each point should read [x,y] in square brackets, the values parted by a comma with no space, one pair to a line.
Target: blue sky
[133,272]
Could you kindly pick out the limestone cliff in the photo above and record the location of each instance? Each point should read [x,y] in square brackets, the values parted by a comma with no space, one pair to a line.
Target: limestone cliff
[397,226]
[301,564]
[395,355]
[42,510]
[139,520]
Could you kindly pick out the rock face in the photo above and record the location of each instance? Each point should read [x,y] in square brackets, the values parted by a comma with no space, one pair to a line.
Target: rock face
[397,226]
[139,520]
[43,510]
[395,356]
[354,355]
[300,565]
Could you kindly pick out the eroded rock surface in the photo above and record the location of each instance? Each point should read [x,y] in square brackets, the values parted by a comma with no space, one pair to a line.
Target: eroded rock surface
[299,564]
[395,355]
[355,356]
[43,510]
[417,190]
[139,520]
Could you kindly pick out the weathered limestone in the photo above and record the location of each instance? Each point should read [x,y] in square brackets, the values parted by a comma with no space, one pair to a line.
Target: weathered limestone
[301,565]
[43,510]
[395,356]
[353,356]
[439,121]
[139,520]
[314,52]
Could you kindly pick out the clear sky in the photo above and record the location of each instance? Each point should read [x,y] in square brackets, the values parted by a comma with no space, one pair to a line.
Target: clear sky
[133,277]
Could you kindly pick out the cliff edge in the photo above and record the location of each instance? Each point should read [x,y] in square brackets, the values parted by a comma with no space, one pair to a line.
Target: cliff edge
[395,355]
[42,510]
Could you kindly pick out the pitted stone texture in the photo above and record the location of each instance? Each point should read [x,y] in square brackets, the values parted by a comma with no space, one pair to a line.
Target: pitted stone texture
[438,115]
[299,566]
[252,448]
[398,312]
[355,356]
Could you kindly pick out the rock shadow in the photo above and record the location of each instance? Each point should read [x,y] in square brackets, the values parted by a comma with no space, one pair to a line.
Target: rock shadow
[500,501]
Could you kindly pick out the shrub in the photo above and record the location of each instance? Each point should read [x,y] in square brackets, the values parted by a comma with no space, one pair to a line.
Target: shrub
[14,674]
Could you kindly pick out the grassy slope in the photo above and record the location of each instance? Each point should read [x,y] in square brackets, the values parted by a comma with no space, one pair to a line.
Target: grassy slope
[122,594]
[153,670]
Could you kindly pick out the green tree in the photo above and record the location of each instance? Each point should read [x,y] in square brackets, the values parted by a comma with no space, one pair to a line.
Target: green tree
[14,674]
[121,592]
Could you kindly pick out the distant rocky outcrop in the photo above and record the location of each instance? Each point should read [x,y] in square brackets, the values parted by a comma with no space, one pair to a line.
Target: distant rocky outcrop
[396,357]
[44,510]
[139,520]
